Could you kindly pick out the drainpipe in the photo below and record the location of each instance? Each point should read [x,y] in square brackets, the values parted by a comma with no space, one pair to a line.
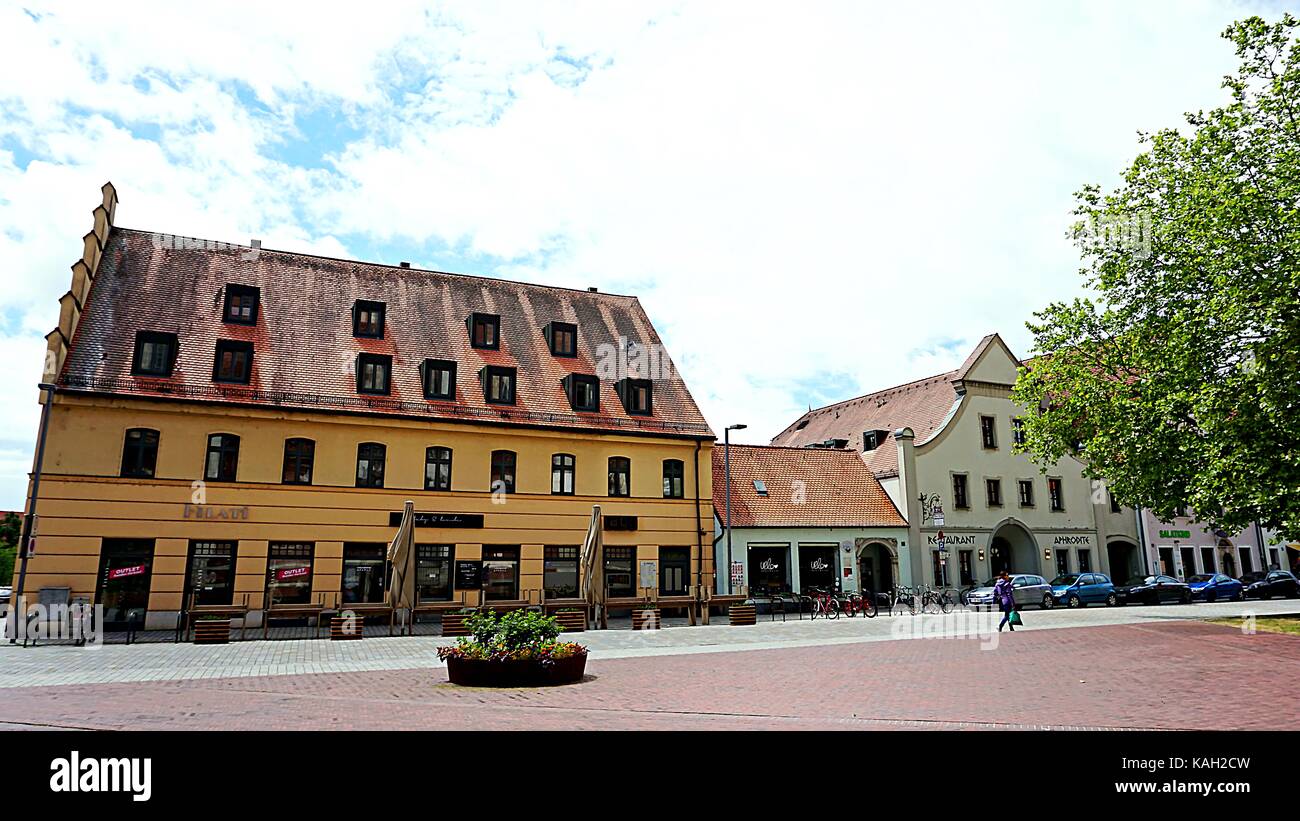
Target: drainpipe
[1143,547]
[1263,554]
[699,528]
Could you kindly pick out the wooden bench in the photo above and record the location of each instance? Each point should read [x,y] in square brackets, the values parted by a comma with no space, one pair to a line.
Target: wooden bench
[370,611]
[672,602]
[226,611]
[293,611]
[212,631]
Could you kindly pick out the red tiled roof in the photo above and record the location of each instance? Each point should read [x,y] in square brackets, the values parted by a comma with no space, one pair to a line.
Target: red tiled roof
[838,489]
[304,350]
[922,406]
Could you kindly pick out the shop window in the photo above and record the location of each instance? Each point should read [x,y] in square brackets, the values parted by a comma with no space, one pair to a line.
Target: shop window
[288,572]
[583,391]
[560,572]
[140,453]
[503,471]
[125,571]
[222,461]
[433,572]
[562,472]
[966,567]
[155,354]
[620,571]
[769,569]
[939,568]
[299,456]
[817,567]
[674,570]
[234,362]
[1062,562]
[241,304]
[437,468]
[960,492]
[374,373]
[368,319]
[501,572]
[498,385]
[370,464]
[439,379]
[620,476]
[1085,561]
[674,479]
[484,331]
[365,573]
[562,337]
[211,575]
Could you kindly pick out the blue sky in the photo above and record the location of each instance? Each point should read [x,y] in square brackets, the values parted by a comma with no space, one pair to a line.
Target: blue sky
[811,200]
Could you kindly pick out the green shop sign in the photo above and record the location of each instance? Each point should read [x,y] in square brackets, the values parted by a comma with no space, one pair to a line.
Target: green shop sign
[1175,534]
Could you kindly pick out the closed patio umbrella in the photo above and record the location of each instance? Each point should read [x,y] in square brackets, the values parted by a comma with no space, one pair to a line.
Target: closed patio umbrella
[593,571]
[401,555]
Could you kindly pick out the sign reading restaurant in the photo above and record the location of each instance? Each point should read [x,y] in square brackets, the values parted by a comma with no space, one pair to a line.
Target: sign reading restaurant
[950,539]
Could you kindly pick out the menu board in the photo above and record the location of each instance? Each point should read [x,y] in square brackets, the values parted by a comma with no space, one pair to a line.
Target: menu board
[469,575]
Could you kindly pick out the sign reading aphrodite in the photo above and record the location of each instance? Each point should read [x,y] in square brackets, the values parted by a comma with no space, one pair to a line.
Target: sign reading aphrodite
[1080,540]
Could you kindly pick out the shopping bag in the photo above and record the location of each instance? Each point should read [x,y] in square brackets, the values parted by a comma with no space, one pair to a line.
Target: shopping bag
[1015,618]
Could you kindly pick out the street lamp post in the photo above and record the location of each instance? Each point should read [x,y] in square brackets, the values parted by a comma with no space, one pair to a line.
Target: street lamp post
[30,520]
[726,472]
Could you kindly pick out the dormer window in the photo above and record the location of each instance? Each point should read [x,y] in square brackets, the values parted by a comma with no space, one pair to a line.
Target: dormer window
[155,354]
[563,338]
[873,439]
[636,395]
[484,331]
[498,385]
[439,378]
[234,362]
[374,373]
[583,391]
[241,304]
[368,319]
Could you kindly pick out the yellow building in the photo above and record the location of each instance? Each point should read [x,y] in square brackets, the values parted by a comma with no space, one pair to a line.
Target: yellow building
[233,423]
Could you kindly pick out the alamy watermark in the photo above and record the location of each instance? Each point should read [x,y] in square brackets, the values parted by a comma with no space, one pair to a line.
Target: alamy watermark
[78,622]
[171,242]
[1131,233]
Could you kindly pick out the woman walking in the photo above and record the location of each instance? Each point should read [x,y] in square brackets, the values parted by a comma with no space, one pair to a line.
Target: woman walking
[1005,594]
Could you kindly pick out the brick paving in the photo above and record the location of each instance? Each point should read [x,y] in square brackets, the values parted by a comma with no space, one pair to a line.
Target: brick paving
[1170,674]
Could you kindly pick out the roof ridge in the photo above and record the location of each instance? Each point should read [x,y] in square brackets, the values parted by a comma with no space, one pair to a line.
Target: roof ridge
[801,448]
[263,249]
[880,392]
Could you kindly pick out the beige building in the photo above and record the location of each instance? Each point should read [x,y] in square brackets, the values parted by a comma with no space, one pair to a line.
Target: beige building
[942,448]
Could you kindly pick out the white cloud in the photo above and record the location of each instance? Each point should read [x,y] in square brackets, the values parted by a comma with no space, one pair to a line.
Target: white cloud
[831,190]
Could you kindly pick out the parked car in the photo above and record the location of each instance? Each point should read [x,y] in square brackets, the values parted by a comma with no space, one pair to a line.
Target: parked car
[1027,589]
[1080,589]
[1247,579]
[6,593]
[1276,583]
[1213,587]
[1153,590]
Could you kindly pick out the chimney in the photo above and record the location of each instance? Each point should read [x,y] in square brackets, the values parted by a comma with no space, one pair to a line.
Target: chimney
[406,264]
[593,290]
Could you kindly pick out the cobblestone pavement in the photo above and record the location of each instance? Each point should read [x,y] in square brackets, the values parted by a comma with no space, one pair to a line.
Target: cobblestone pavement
[1167,674]
[59,665]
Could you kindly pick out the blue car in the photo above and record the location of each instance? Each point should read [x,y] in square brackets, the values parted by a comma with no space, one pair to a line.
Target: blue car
[1216,587]
[1079,589]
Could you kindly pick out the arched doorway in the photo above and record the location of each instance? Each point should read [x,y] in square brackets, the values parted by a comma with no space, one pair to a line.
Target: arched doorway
[875,568]
[1013,549]
[1125,562]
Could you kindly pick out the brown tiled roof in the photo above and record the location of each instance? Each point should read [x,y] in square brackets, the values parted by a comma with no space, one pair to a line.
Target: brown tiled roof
[304,349]
[922,406]
[838,489]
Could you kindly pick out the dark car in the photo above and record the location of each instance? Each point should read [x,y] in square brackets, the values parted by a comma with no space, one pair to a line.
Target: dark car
[1247,579]
[1153,590]
[1276,583]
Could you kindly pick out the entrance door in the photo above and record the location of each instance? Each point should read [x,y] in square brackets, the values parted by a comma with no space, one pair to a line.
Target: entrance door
[1000,556]
[1167,561]
[1229,565]
[125,569]
[1207,560]
[1085,561]
[1189,562]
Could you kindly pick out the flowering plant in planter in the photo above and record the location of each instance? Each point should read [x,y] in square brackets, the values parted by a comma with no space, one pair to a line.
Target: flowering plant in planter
[516,648]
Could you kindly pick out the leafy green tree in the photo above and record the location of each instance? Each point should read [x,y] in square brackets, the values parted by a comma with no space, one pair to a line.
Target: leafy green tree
[1180,383]
[10,532]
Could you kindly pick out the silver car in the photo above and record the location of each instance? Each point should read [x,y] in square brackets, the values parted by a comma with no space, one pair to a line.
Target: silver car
[1027,589]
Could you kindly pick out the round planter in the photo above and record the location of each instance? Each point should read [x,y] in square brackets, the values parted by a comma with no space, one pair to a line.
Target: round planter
[479,673]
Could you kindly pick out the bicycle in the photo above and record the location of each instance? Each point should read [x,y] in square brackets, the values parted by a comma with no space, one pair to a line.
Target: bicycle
[900,598]
[864,604]
[824,604]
